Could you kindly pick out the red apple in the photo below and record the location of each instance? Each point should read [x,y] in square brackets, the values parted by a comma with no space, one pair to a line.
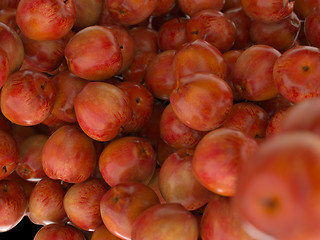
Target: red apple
[102,233]
[94,54]
[30,164]
[168,221]
[127,159]
[218,157]
[59,232]
[144,39]
[190,7]
[82,203]
[88,12]
[13,204]
[46,202]
[71,161]
[27,97]
[5,68]
[101,110]
[178,183]
[45,20]
[123,203]
[9,154]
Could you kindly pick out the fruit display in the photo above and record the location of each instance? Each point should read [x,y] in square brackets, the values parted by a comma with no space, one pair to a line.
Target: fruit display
[160,119]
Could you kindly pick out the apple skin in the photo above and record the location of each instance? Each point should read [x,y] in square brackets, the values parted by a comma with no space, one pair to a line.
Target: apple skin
[72,161]
[59,232]
[296,73]
[87,13]
[311,27]
[13,204]
[246,73]
[127,159]
[303,7]
[198,56]
[45,20]
[219,221]
[82,203]
[167,221]
[101,109]
[46,202]
[275,123]
[215,105]
[123,203]
[30,164]
[11,43]
[278,188]
[130,12]
[9,154]
[27,97]
[4,65]
[190,7]
[175,133]
[145,39]
[178,184]
[93,53]
[102,233]
[267,11]
[218,157]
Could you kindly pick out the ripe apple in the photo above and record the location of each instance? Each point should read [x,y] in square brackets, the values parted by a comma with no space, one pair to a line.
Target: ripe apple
[13,204]
[45,20]
[59,232]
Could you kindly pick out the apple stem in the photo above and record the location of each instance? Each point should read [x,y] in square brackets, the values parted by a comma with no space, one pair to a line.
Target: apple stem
[44,85]
[5,169]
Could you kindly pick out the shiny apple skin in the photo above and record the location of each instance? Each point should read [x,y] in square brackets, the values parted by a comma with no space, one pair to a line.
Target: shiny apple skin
[45,20]
[267,11]
[190,7]
[172,34]
[168,221]
[13,204]
[27,97]
[141,101]
[159,77]
[72,161]
[178,184]
[219,221]
[211,111]
[30,164]
[249,118]
[59,232]
[4,65]
[99,60]
[67,87]
[123,203]
[278,188]
[175,133]
[252,82]
[9,154]
[212,26]
[218,157]
[11,43]
[145,39]
[198,56]
[127,159]
[130,12]
[281,35]
[82,203]
[46,202]
[311,27]
[101,109]
[296,73]
[44,56]
[303,7]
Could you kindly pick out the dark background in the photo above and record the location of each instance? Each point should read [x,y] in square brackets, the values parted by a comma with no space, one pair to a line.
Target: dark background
[25,230]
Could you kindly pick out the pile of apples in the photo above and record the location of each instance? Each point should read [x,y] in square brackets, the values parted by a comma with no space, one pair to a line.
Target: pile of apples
[161,119]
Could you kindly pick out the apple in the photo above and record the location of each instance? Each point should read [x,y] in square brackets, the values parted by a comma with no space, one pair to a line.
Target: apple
[127,159]
[87,12]
[144,39]
[4,65]
[167,221]
[123,203]
[46,202]
[101,110]
[93,53]
[311,27]
[82,203]
[45,20]
[9,154]
[102,233]
[190,7]
[59,232]
[13,204]
[27,97]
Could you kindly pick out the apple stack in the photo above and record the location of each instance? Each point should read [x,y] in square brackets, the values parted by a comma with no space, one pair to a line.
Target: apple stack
[160,119]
